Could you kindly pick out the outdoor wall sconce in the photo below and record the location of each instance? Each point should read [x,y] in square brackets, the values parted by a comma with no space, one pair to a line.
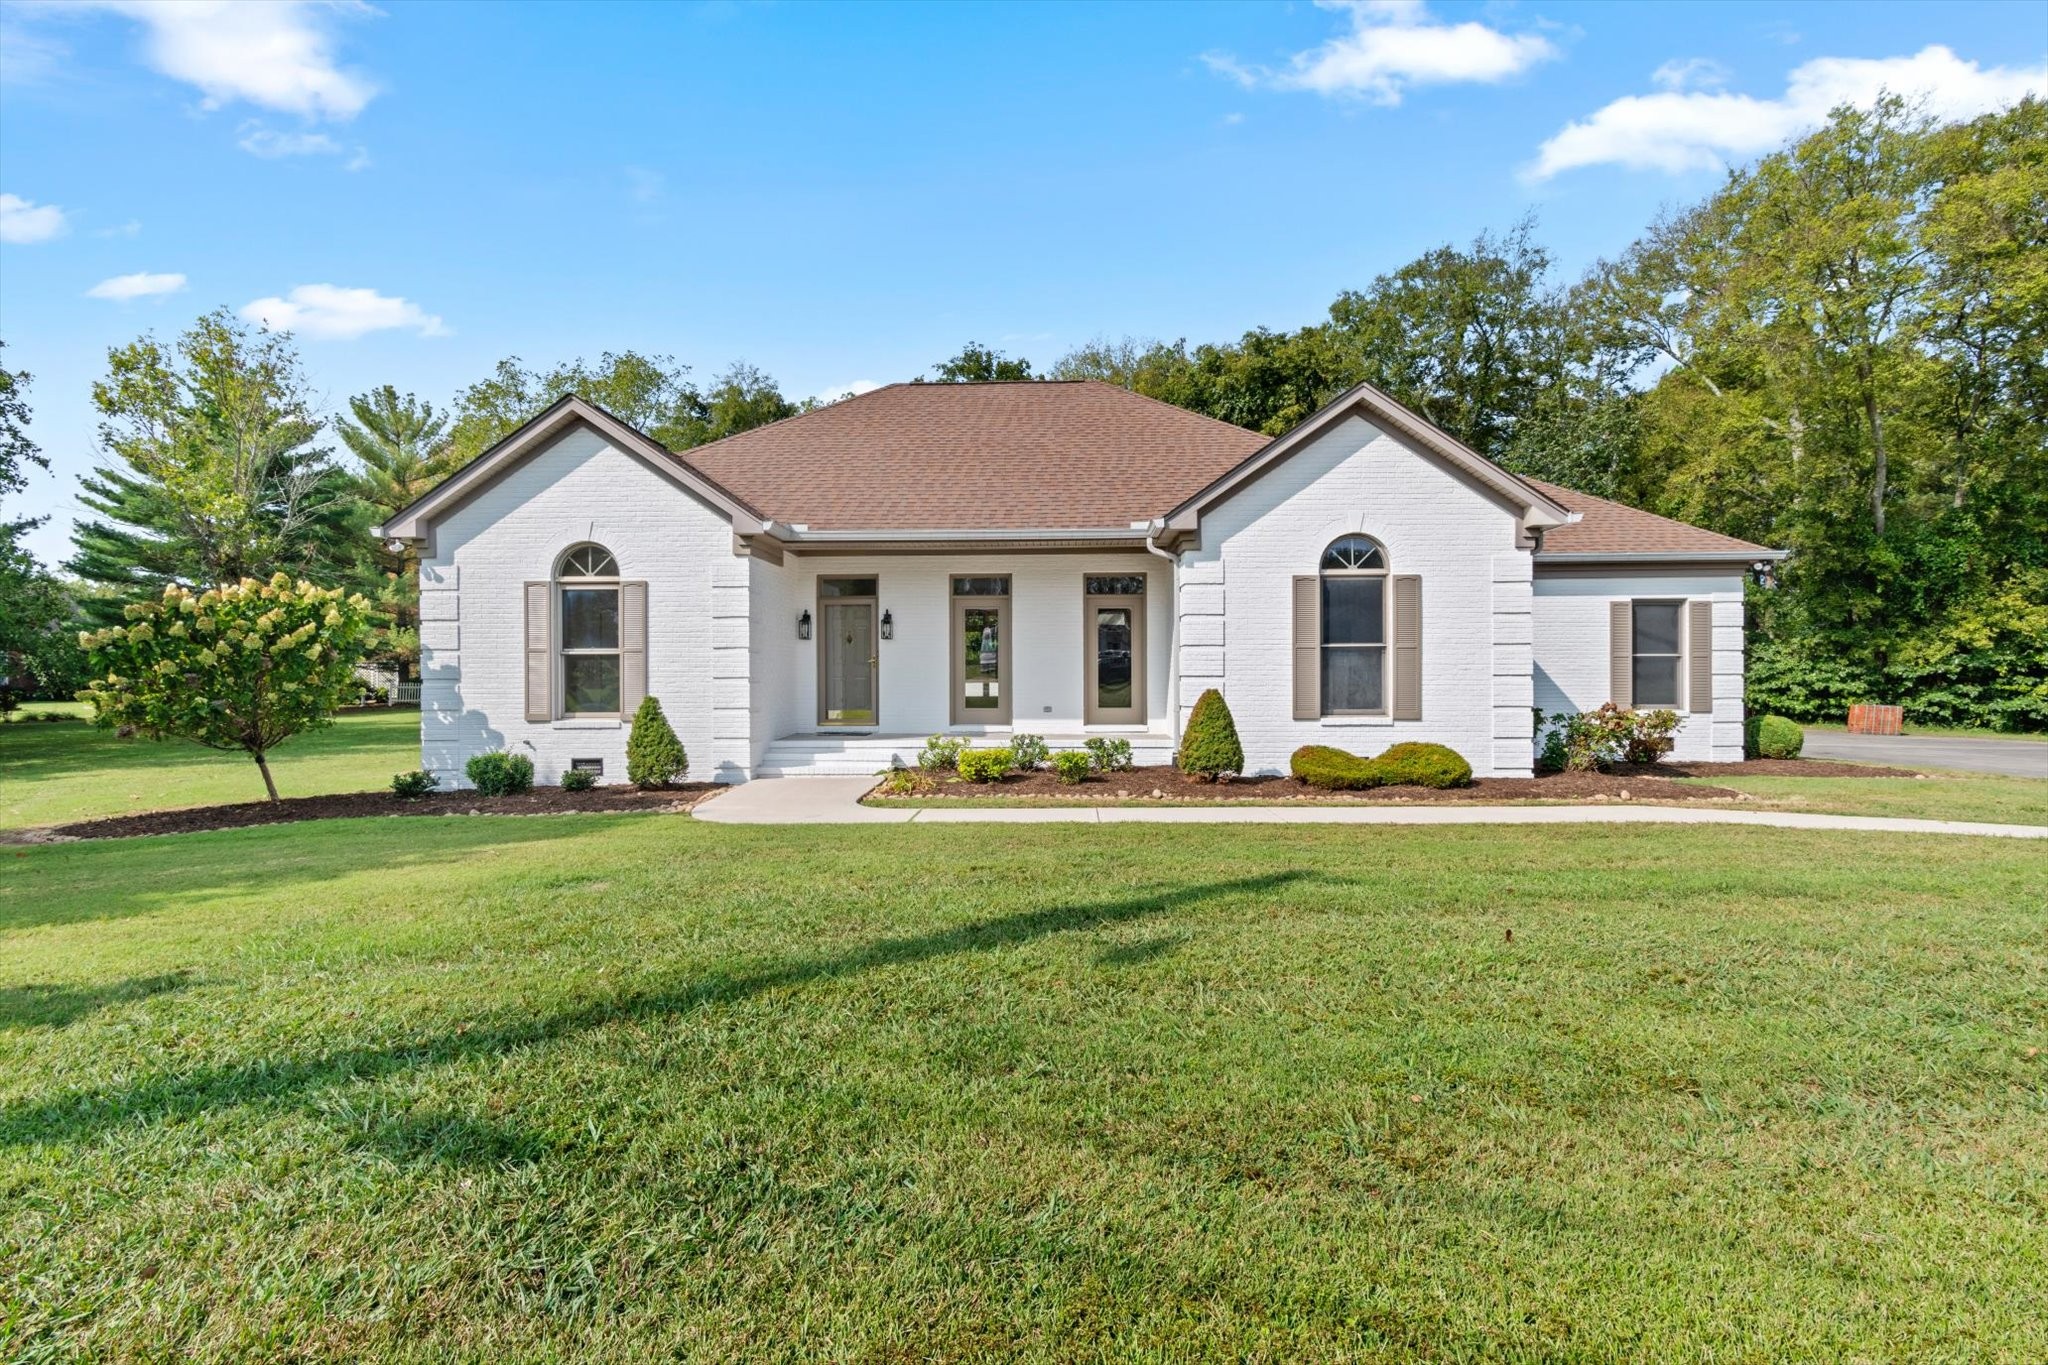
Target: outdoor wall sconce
[888,626]
[803,625]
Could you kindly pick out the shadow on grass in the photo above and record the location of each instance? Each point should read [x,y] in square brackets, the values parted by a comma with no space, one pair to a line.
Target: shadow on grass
[35,1006]
[108,879]
[452,1140]
[82,1115]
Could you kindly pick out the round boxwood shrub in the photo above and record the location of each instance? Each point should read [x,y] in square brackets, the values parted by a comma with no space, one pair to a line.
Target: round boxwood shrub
[1422,765]
[500,773]
[1330,769]
[1209,748]
[578,780]
[414,785]
[654,756]
[986,765]
[1775,737]
[1072,766]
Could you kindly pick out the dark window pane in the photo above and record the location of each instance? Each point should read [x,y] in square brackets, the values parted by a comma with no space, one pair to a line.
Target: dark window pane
[591,682]
[590,618]
[993,586]
[1656,680]
[846,587]
[1354,611]
[1353,552]
[981,687]
[1113,657]
[1656,628]
[1352,679]
[1116,585]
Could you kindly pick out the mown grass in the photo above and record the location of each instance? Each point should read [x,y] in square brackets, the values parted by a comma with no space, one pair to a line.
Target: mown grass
[54,773]
[630,1088]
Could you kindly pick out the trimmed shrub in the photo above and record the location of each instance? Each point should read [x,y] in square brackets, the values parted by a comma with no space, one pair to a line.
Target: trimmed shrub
[1029,751]
[1422,765]
[1330,769]
[1773,737]
[414,785]
[578,780]
[500,773]
[654,756]
[1072,765]
[1108,755]
[985,765]
[941,753]
[1209,748]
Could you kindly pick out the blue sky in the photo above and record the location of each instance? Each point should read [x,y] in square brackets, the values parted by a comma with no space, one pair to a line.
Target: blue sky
[844,194]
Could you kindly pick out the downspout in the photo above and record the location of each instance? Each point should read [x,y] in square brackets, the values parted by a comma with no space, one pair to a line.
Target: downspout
[1173,641]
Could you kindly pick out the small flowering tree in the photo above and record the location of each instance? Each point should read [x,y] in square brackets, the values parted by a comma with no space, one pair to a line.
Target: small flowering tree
[244,667]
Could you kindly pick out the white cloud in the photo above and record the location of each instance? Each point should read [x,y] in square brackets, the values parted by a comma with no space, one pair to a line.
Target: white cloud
[131,228]
[23,221]
[832,393]
[258,139]
[278,54]
[141,285]
[1392,45]
[1681,129]
[329,312]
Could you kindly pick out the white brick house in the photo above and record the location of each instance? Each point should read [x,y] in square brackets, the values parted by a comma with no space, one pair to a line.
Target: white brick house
[1065,559]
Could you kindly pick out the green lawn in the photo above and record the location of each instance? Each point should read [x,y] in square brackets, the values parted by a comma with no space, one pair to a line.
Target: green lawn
[634,1088]
[53,773]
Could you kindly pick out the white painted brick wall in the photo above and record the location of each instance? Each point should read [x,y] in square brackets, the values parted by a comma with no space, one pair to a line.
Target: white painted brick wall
[1571,650]
[472,637]
[1433,523]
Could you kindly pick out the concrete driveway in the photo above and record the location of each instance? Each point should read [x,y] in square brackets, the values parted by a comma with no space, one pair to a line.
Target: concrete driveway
[2013,757]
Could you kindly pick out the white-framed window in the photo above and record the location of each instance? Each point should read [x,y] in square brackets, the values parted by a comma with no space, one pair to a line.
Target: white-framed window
[1657,644]
[587,605]
[1354,614]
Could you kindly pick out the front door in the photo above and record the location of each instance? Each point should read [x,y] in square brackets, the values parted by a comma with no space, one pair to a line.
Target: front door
[1113,629]
[980,669]
[849,682]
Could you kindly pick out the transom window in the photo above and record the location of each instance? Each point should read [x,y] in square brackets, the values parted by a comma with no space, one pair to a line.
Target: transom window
[1653,679]
[1115,585]
[1354,611]
[989,586]
[588,586]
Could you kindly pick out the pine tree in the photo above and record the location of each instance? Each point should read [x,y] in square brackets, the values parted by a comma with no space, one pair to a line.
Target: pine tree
[1210,746]
[654,756]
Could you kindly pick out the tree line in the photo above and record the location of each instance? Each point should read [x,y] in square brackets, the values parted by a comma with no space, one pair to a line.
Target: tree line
[1839,352]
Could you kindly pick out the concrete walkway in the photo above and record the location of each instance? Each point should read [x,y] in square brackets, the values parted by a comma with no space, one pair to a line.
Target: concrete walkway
[836,801]
[2013,757]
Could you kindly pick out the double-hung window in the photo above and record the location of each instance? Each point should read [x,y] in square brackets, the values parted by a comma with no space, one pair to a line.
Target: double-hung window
[588,584]
[1656,645]
[1354,615]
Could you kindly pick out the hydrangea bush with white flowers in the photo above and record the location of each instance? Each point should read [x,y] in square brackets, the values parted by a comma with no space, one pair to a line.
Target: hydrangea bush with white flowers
[237,668]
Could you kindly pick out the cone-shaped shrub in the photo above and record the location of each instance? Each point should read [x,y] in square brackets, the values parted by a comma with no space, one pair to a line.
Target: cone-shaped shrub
[654,756]
[1210,749]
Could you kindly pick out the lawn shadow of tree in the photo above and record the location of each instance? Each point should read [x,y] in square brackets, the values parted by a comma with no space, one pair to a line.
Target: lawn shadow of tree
[84,1114]
[452,1139]
[40,1006]
[1139,953]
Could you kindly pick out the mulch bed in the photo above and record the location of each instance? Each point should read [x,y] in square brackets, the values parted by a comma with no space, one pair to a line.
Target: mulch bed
[1634,782]
[539,801]
[1171,784]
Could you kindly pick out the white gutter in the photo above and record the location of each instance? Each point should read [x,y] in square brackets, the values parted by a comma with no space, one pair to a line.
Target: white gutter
[1173,643]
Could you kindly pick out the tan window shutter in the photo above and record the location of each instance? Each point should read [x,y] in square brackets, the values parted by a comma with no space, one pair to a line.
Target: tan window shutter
[1407,647]
[632,646]
[540,662]
[1700,656]
[1621,650]
[1308,647]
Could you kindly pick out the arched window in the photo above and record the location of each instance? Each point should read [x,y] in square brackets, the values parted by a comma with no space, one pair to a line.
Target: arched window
[1354,612]
[587,588]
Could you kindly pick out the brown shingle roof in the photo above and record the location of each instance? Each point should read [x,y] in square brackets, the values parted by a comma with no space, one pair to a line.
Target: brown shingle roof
[1041,454]
[1606,527]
